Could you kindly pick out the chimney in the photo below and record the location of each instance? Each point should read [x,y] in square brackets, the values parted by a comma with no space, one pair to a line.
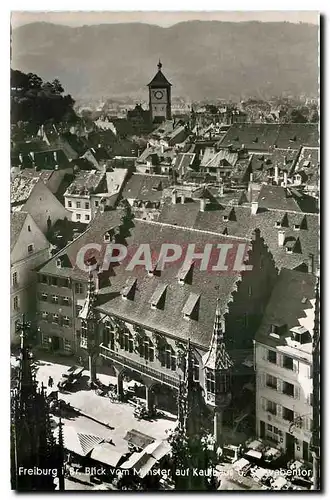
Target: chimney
[285,179]
[202,204]
[281,238]
[276,175]
[162,148]
[221,188]
[183,199]
[251,177]
[174,197]
[254,207]
[311,263]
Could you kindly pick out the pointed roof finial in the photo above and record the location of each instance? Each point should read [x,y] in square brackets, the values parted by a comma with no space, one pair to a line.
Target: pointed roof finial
[159,65]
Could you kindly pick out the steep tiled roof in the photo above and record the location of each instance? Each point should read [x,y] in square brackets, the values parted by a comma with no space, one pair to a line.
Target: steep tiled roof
[159,80]
[86,181]
[183,161]
[145,187]
[17,220]
[94,233]
[264,136]
[282,198]
[21,188]
[201,293]
[213,159]
[308,163]
[241,225]
[289,300]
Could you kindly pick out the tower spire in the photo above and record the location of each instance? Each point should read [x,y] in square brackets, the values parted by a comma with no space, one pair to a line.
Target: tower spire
[159,65]
[217,357]
[27,383]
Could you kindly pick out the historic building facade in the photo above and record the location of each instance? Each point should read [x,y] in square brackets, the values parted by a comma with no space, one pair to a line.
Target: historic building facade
[145,318]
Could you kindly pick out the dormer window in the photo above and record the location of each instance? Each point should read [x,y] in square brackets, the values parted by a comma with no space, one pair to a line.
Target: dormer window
[59,263]
[293,138]
[157,300]
[107,237]
[300,335]
[129,289]
[190,309]
[278,224]
[225,218]
[184,274]
[296,227]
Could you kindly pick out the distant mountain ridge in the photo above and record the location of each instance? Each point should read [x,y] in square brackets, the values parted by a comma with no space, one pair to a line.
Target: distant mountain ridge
[202,59]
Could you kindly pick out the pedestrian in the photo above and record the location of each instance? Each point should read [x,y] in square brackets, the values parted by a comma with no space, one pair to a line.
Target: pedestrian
[50,381]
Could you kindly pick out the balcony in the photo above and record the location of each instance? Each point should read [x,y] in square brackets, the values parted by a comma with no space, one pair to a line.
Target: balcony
[170,380]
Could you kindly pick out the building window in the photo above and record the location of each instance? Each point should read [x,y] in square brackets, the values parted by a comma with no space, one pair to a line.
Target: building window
[168,358]
[310,399]
[273,433]
[44,314]
[15,303]
[195,369]
[288,362]
[210,381]
[54,281]
[30,248]
[272,357]
[288,389]
[148,350]
[66,321]
[15,279]
[271,381]
[126,341]
[55,318]
[87,217]
[66,301]
[78,216]
[78,204]
[109,336]
[55,299]
[44,297]
[87,206]
[79,288]
[69,204]
[96,204]
[271,407]
[44,279]
[67,345]
[46,340]
[29,229]
[287,414]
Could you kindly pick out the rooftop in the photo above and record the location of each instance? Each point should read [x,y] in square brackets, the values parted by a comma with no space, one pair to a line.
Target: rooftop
[17,220]
[86,183]
[241,223]
[145,187]
[262,136]
[291,302]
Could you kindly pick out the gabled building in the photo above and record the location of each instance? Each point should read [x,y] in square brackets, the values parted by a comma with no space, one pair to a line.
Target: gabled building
[148,315]
[28,249]
[284,365]
[31,195]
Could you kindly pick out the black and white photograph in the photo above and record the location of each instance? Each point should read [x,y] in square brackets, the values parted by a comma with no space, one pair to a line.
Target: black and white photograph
[164,251]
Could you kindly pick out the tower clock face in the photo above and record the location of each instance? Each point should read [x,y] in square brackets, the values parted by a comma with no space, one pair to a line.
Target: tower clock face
[159,95]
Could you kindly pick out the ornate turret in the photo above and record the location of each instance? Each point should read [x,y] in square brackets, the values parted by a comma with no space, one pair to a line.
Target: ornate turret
[32,441]
[89,322]
[217,364]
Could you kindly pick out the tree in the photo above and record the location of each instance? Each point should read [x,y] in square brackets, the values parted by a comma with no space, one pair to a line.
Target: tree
[36,102]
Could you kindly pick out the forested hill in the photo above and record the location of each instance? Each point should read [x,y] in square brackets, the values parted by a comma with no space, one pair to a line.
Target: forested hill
[200,58]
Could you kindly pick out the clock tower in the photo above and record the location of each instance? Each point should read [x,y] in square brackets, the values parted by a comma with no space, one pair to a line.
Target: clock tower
[159,97]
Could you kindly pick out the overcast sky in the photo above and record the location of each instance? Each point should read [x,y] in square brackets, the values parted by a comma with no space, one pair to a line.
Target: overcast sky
[160,18]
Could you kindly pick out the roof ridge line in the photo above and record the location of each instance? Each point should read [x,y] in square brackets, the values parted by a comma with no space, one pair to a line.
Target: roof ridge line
[192,229]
